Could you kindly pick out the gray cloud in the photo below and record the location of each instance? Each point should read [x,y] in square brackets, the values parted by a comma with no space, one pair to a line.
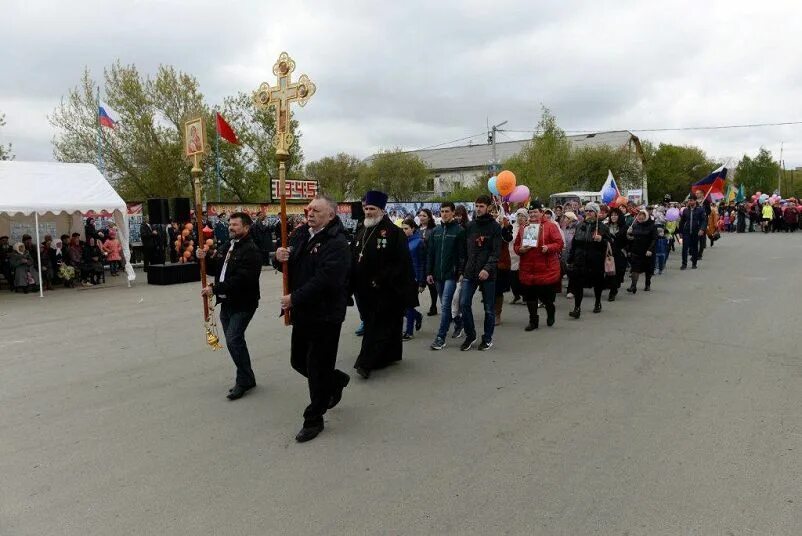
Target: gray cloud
[411,74]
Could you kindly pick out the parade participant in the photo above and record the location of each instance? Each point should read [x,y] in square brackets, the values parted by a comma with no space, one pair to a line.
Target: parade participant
[692,229]
[482,250]
[539,244]
[427,226]
[521,220]
[768,216]
[740,218]
[461,217]
[791,217]
[642,237]
[504,265]
[236,266]
[319,261]
[382,283]
[618,245]
[442,267]
[586,260]
[712,227]
[571,223]
[418,259]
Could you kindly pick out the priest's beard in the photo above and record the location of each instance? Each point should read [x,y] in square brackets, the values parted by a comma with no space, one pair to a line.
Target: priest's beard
[372,222]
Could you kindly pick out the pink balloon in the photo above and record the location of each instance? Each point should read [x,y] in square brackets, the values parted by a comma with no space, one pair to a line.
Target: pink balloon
[519,194]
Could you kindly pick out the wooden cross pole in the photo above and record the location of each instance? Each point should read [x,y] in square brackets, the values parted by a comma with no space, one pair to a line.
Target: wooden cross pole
[279,97]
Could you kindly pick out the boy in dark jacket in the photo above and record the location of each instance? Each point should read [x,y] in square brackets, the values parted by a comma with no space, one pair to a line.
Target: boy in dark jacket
[443,261]
[482,250]
[692,225]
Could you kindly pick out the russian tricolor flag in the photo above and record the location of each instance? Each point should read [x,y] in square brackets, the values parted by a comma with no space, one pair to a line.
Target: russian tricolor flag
[610,191]
[104,119]
[713,184]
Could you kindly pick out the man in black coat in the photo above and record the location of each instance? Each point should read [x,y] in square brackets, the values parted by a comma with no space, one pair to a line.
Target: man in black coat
[148,236]
[692,226]
[237,266]
[383,285]
[319,262]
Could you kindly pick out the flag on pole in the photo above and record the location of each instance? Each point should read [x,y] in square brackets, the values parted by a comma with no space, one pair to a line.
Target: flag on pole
[713,184]
[741,196]
[225,130]
[609,191]
[104,119]
[730,195]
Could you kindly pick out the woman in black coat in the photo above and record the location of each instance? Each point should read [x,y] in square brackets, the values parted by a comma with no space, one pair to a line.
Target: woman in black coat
[619,243]
[642,237]
[586,258]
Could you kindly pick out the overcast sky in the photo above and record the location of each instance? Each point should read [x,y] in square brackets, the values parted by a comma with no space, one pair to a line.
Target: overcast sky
[413,73]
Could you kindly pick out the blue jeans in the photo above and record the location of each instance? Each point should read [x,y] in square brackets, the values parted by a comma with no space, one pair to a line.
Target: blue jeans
[235,322]
[446,290]
[412,315]
[469,288]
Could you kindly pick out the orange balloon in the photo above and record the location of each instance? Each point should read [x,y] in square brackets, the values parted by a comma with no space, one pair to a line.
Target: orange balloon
[191,248]
[189,226]
[177,244]
[187,254]
[185,233]
[210,242]
[621,201]
[505,182]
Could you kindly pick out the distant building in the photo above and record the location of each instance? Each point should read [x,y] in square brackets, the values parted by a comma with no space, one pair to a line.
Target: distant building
[464,165]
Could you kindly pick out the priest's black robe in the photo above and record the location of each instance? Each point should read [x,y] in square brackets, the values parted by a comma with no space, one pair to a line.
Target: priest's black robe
[384,286]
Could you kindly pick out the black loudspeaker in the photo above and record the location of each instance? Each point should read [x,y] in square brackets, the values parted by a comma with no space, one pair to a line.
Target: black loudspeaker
[181,209]
[356,211]
[158,211]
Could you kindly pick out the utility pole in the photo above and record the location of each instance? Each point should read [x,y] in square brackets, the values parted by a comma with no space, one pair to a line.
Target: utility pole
[780,170]
[493,166]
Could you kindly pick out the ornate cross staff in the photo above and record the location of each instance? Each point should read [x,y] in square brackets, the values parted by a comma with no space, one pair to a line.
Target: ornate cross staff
[280,97]
[195,147]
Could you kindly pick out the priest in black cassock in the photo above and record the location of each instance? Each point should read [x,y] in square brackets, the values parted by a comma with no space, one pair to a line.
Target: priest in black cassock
[383,284]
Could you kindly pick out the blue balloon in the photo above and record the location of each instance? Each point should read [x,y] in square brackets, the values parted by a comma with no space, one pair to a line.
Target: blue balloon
[491,185]
[609,195]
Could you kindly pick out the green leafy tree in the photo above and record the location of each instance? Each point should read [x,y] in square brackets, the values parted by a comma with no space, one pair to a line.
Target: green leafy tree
[338,176]
[589,167]
[401,175]
[671,169]
[465,193]
[543,163]
[5,150]
[758,174]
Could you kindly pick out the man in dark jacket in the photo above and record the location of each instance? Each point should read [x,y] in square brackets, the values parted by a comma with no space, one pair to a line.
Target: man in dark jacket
[482,250]
[148,235]
[319,261]
[443,254]
[237,266]
[382,283]
[692,225]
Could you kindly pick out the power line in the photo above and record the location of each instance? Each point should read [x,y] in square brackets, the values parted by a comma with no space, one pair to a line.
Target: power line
[452,141]
[673,129]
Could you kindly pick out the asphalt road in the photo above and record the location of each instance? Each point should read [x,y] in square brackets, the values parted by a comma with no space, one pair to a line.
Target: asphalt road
[673,412]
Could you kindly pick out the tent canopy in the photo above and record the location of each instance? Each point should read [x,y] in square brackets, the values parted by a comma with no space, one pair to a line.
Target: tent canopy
[55,187]
[38,188]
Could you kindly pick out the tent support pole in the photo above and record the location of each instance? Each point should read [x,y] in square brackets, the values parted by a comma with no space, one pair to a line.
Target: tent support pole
[38,254]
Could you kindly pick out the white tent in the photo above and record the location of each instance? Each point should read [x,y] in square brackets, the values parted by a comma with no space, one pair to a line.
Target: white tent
[58,193]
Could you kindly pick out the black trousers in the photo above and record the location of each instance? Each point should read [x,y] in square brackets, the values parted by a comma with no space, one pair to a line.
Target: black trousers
[235,321]
[539,293]
[579,283]
[433,295]
[148,252]
[515,285]
[313,354]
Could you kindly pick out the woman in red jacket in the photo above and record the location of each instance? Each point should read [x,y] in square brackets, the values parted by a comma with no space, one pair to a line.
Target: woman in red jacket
[539,245]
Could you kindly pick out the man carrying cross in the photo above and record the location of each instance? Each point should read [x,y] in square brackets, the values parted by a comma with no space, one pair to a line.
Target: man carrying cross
[383,284]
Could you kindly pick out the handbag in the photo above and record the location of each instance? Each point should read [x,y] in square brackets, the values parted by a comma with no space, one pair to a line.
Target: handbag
[609,261]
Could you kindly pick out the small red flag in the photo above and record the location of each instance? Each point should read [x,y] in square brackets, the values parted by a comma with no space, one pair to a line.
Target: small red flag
[225,130]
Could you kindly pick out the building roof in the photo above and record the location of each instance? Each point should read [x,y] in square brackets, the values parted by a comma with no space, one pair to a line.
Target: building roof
[478,156]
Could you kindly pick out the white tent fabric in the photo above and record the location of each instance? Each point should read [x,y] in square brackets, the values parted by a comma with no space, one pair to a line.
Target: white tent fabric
[40,188]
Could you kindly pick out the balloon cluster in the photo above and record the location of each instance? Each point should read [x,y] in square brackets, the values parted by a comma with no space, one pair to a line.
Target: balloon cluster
[184,244]
[672,214]
[504,185]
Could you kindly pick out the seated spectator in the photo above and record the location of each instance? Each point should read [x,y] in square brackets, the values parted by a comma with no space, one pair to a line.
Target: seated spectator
[47,255]
[26,276]
[92,263]
[5,260]
[64,272]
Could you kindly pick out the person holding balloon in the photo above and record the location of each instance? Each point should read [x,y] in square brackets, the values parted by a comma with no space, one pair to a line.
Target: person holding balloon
[586,259]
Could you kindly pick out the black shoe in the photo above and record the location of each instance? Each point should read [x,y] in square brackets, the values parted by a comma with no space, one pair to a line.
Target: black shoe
[647,288]
[550,316]
[338,393]
[534,321]
[694,267]
[419,323]
[486,345]
[308,433]
[238,392]
[365,373]
[575,313]
[683,267]
[432,312]
[468,344]
[458,333]
[597,307]
[632,289]
[407,337]
[515,300]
